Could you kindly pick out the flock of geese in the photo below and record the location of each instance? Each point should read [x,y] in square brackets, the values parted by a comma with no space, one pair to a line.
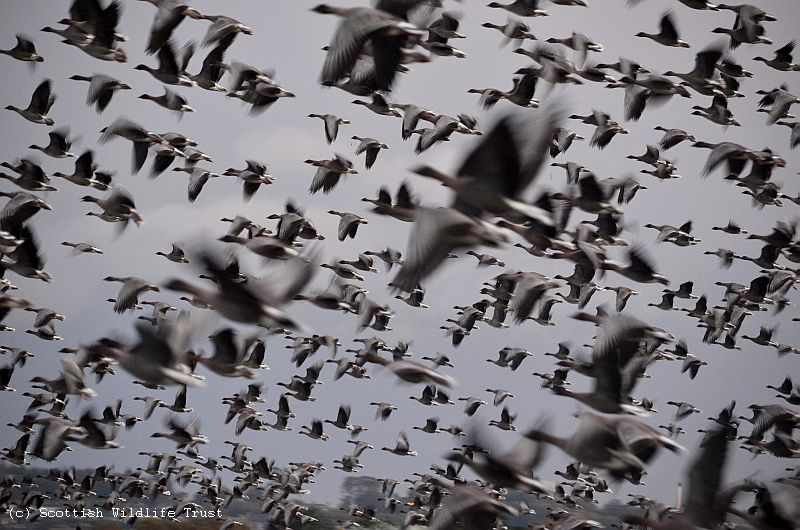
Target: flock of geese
[495,205]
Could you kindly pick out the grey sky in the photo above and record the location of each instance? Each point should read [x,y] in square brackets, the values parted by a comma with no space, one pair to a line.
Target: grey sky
[288,38]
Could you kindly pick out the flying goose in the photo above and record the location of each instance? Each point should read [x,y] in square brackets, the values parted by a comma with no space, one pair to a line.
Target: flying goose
[142,139]
[348,224]
[383,411]
[315,431]
[71,381]
[117,206]
[342,418]
[561,141]
[580,43]
[506,421]
[782,60]
[521,94]
[101,89]
[747,28]
[24,51]
[44,315]
[78,248]
[329,172]
[498,172]
[256,87]
[182,435]
[169,71]
[129,293]
[512,469]
[53,438]
[668,34]
[169,15]
[402,447]
[616,364]
[673,137]
[86,174]
[521,8]
[640,269]
[361,25]
[436,233]
[59,144]
[413,372]
[213,68]
[97,436]
[175,255]
[514,29]
[620,444]
[605,131]
[717,112]
[170,100]
[252,302]
[31,176]
[25,259]
[228,357]
[41,102]
[223,28]
[371,147]
[102,25]
[45,332]
[331,125]
[75,32]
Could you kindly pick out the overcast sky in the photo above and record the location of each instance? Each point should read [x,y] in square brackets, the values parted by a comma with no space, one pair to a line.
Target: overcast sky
[288,37]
